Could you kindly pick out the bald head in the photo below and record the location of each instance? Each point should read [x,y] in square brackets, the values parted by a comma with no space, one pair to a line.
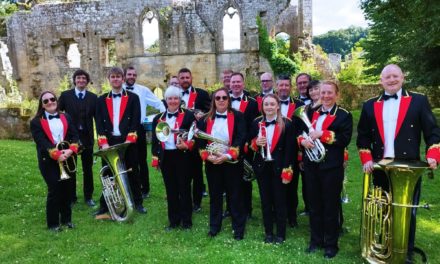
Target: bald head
[391,78]
[266,82]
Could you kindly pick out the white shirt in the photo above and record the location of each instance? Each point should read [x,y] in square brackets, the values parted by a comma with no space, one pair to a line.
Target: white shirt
[305,100]
[116,110]
[220,128]
[78,91]
[146,97]
[389,115]
[170,143]
[236,104]
[285,107]
[56,128]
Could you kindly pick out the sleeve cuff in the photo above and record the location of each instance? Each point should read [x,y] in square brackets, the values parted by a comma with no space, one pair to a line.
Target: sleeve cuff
[365,155]
[234,152]
[54,153]
[286,175]
[346,155]
[328,137]
[154,162]
[102,140]
[74,147]
[204,154]
[300,156]
[254,146]
[246,148]
[189,144]
[434,152]
[131,137]
[300,139]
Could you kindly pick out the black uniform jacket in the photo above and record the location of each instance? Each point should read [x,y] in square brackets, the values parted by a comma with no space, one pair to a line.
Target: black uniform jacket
[184,120]
[282,149]
[129,115]
[337,130]
[68,102]
[415,116]
[46,147]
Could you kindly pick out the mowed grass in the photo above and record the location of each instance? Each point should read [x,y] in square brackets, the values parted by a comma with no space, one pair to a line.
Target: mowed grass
[24,238]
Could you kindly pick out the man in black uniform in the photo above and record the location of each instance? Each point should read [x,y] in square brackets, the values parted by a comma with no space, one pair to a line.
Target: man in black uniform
[80,104]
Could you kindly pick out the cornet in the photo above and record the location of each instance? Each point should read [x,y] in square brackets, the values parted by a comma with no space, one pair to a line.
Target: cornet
[67,166]
[262,133]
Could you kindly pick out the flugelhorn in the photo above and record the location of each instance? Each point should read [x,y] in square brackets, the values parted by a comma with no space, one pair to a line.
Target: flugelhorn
[316,153]
[67,166]
[115,186]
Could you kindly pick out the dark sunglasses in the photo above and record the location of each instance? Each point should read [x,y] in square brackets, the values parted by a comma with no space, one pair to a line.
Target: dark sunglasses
[224,98]
[264,81]
[52,99]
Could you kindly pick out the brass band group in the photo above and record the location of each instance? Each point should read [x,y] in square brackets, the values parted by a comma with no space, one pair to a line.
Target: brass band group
[232,137]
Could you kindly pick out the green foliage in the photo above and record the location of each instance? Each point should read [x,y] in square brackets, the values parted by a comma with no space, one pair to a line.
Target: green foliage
[353,69]
[279,62]
[25,239]
[64,84]
[153,48]
[308,66]
[106,87]
[340,41]
[406,32]
[6,10]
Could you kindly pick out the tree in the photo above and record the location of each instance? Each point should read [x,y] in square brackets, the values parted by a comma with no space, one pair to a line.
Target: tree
[406,32]
[340,41]
[354,67]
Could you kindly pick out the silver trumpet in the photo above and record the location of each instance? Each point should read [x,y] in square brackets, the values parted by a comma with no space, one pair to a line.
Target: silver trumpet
[317,153]
[266,156]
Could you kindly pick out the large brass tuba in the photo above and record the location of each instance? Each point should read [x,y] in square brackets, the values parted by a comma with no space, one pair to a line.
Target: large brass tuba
[67,166]
[317,153]
[115,186]
[386,215]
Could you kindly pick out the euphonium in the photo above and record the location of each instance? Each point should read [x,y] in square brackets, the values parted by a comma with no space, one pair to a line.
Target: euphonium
[317,153]
[386,215]
[67,166]
[115,186]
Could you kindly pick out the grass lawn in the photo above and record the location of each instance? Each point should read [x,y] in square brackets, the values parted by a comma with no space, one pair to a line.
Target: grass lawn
[24,238]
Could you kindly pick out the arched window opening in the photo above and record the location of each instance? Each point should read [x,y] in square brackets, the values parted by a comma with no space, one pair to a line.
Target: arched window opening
[283,43]
[73,56]
[150,33]
[231,29]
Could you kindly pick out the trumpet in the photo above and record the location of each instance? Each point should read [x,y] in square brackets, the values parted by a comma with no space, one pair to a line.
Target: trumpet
[317,153]
[67,166]
[163,132]
[262,133]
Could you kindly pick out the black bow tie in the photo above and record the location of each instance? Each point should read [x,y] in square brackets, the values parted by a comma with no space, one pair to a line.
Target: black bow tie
[235,99]
[286,102]
[173,114]
[220,116]
[323,112]
[129,87]
[385,97]
[54,116]
[185,92]
[116,95]
[273,122]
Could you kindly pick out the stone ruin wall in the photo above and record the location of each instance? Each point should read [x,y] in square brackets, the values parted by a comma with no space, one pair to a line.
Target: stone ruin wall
[190,34]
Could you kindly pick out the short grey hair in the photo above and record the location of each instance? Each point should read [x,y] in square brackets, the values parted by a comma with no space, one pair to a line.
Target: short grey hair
[173,91]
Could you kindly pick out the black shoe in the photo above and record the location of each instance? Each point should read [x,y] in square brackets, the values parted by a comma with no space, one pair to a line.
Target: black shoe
[141,209]
[171,227]
[205,194]
[101,211]
[197,208]
[55,229]
[330,253]
[238,236]
[293,224]
[312,248]
[268,239]
[212,233]
[69,225]
[145,195]
[278,240]
[226,214]
[90,203]
[304,213]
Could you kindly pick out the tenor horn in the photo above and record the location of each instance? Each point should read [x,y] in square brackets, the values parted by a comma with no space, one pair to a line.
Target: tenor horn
[115,185]
[386,215]
[317,153]
[163,132]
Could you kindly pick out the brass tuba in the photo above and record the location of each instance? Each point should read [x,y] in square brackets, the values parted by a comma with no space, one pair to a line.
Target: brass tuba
[317,153]
[115,186]
[67,166]
[386,215]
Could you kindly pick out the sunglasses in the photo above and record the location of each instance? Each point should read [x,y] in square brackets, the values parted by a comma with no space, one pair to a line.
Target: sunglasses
[224,98]
[265,81]
[52,99]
